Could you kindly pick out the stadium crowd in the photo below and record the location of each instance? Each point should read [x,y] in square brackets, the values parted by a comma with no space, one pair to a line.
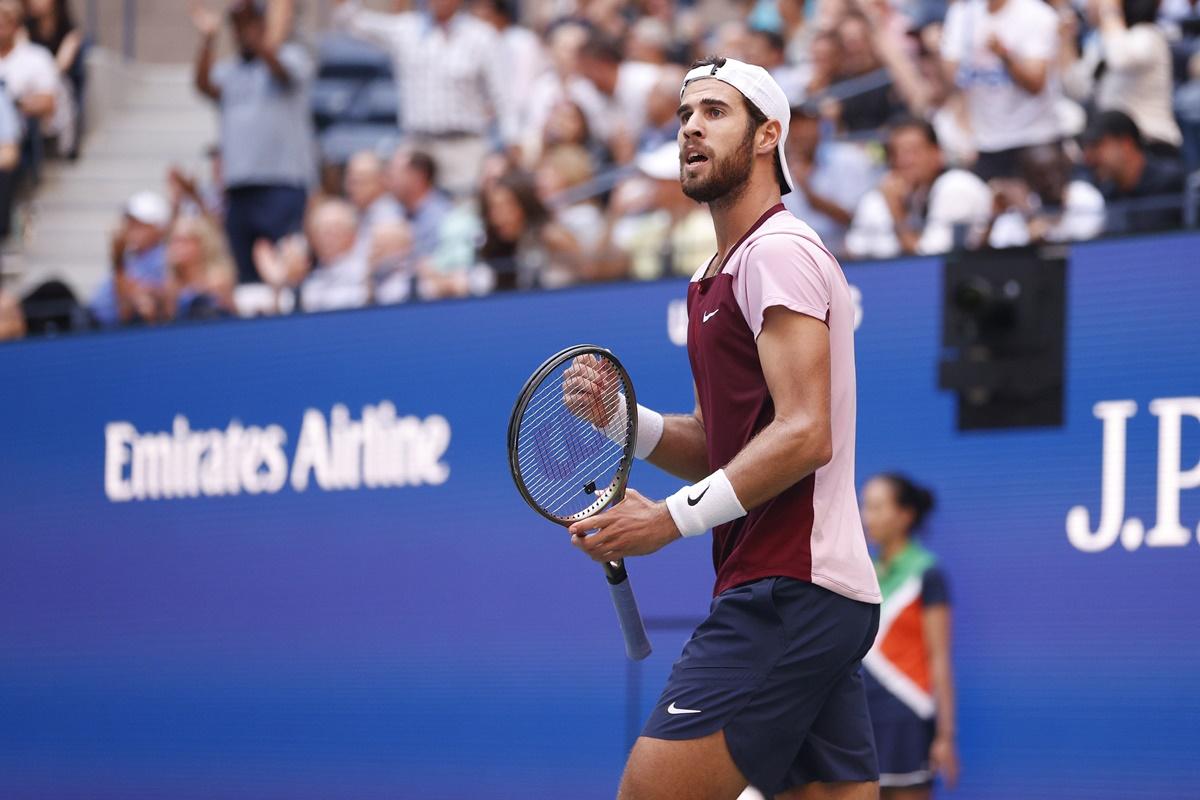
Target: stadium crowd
[466,148]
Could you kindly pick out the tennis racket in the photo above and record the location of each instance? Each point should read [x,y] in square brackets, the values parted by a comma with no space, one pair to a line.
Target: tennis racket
[570,447]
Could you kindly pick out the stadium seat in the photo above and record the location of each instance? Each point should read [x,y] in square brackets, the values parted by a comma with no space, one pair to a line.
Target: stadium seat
[344,139]
[332,99]
[341,56]
[377,102]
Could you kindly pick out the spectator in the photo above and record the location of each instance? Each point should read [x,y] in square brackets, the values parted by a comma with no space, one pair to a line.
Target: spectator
[10,159]
[1003,56]
[831,178]
[874,100]
[29,74]
[558,84]
[523,244]
[268,154]
[339,279]
[12,318]
[649,41]
[1044,204]
[826,62]
[653,229]
[451,86]
[567,125]
[1127,64]
[201,275]
[1187,110]
[523,54]
[766,48]
[190,196]
[623,87]
[919,206]
[391,264]
[51,25]
[134,293]
[366,188]
[1143,192]
[412,178]
[662,124]
[562,170]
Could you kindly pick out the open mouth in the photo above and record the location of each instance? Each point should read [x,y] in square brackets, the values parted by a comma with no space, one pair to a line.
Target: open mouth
[696,158]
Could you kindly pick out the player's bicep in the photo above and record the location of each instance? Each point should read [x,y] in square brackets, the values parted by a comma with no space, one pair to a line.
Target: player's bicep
[793,349]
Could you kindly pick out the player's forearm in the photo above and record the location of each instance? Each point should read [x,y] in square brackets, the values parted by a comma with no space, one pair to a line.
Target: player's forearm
[682,450]
[784,453]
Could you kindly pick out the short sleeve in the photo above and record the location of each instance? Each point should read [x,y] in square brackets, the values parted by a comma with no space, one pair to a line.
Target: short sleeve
[218,75]
[954,36]
[1038,35]
[10,121]
[934,589]
[782,270]
[44,75]
[296,61]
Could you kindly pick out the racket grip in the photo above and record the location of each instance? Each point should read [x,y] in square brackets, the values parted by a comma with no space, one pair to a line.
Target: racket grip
[637,645]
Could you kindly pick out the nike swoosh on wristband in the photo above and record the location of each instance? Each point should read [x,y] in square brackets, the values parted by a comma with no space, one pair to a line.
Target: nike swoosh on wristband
[693,500]
[673,709]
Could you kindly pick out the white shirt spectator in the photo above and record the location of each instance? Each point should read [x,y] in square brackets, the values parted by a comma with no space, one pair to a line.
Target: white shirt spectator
[30,69]
[843,174]
[956,198]
[339,284]
[525,60]
[1082,219]
[625,109]
[1003,115]
[1137,79]
[448,76]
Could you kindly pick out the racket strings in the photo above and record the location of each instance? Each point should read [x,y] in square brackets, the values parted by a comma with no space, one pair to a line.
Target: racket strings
[566,461]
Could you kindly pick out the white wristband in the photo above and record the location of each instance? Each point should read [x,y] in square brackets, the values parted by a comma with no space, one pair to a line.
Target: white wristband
[704,505]
[650,428]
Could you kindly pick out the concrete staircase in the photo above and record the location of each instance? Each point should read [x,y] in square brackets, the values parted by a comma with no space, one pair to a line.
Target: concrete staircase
[142,119]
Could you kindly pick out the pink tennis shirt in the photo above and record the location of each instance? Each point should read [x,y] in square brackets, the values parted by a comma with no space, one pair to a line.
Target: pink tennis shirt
[811,531]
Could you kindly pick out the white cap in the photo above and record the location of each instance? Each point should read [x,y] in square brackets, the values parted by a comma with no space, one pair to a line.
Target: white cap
[661,163]
[149,208]
[757,86]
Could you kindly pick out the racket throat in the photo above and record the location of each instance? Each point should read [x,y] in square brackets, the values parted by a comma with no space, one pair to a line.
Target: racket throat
[615,572]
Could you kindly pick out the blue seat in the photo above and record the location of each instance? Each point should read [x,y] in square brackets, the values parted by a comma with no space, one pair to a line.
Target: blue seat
[341,56]
[332,99]
[344,139]
[377,102]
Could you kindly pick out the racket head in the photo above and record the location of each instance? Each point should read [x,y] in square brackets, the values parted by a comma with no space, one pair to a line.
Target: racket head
[564,464]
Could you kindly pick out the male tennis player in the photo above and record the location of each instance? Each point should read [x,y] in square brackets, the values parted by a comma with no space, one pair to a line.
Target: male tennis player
[768,691]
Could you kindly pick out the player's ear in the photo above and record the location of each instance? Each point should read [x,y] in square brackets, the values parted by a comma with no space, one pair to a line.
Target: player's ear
[768,136]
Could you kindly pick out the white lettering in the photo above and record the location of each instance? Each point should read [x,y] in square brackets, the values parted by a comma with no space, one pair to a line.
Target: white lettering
[118,438]
[312,452]
[1172,478]
[380,450]
[1113,414]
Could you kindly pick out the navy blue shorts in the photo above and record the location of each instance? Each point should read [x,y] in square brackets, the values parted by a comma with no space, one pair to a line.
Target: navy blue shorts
[777,666]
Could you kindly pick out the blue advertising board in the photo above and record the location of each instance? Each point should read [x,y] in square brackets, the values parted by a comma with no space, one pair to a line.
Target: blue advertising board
[284,558]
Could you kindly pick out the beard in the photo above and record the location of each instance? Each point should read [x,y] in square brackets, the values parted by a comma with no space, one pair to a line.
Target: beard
[728,178]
